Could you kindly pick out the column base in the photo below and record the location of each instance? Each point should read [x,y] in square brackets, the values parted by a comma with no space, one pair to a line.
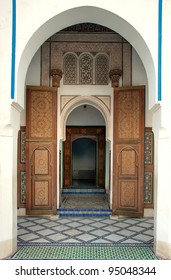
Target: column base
[7,248]
[163,250]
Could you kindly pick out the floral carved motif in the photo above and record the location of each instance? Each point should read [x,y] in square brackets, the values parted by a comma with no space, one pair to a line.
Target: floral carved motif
[41,115]
[41,162]
[128,126]
[127,190]
[41,193]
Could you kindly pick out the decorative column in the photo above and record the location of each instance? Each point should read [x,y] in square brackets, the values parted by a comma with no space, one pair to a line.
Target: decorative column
[114,76]
[56,77]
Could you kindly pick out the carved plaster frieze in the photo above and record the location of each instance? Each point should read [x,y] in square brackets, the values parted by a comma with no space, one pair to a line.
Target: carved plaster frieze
[106,100]
[72,102]
[66,99]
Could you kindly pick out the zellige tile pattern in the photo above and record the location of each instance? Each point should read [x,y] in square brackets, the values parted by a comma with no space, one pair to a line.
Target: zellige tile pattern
[84,230]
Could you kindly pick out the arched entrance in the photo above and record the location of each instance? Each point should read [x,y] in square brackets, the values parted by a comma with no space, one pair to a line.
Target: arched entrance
[85,157]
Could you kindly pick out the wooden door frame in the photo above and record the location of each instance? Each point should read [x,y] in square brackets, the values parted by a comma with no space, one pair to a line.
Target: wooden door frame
[98,131]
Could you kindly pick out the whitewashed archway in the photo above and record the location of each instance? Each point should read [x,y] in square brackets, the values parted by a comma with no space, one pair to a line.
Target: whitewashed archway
[89,100]
[52,23]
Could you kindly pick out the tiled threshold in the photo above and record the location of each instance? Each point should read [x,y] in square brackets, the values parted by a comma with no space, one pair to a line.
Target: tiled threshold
[68,212]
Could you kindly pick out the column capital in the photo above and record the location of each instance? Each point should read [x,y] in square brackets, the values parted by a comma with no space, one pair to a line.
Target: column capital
[56,77]
[114,76]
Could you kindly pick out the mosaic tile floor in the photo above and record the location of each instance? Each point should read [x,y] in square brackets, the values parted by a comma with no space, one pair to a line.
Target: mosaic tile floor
[97,201]
[85,252]
[54,237]
[85,230]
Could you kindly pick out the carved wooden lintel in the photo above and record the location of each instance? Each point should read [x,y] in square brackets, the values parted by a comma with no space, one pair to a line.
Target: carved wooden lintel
[114,76]
[56,77]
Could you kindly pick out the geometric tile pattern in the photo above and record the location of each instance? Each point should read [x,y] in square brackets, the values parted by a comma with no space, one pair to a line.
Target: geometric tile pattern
[85,69]
[148,187]
[78,252]
[148,147]
[84,230]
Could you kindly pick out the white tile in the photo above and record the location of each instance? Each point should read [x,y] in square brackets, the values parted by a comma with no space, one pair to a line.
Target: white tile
[130,221]
[114,237]
[136,228]
[99,232]
[60,228]
[131,241]
[28,224]
[126,233]
[50,224]
[28,237]
[86,228]
[41,240]
[74,224]
[143,237]
[86,237]
[86,221]
[146,225]
[57,237]
[35,228]
[72,232]
[63,221]
[149,232]
[97,241]
[21,231]
[111,228]
[97,225]
[122,225]
[46,232]
[110,221]
[70,240]
[41,221]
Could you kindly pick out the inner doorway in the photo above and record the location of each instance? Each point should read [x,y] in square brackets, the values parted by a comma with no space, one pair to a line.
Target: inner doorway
[84,161]
[84,155]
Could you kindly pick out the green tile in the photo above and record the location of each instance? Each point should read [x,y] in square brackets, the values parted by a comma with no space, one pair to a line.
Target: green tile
[85,252]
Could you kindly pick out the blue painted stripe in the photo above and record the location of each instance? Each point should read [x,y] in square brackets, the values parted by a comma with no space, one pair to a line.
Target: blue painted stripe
[13,49]
[160,50]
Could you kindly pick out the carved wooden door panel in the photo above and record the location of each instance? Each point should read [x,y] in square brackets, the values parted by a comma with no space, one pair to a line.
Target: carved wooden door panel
[128,159]
[41,150]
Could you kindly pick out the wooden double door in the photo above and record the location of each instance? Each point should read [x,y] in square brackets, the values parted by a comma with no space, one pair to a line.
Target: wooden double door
[128,151]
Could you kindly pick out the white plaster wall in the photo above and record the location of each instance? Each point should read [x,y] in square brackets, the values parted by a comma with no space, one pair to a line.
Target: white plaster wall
[88,116]
[5,65]
[8,185]
[162,125]
[33,73]
[139,77]
[109,13]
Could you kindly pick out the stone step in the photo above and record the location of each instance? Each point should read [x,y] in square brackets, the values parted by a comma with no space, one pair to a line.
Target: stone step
[68,212]
[83,190]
